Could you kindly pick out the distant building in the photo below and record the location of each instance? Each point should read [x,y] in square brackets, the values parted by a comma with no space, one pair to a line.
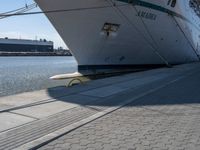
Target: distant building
[22,45]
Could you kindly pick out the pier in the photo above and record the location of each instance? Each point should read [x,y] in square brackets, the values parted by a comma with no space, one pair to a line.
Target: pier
[155,109]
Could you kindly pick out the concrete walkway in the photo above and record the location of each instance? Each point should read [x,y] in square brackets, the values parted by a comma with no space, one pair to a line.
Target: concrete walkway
[156,109]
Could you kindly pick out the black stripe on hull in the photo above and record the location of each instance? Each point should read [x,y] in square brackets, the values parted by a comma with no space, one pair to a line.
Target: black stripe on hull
[94,68]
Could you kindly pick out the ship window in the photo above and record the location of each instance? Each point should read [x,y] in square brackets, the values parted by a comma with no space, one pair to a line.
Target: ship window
[173,4]
[169,2]
[195,5]
[130,1]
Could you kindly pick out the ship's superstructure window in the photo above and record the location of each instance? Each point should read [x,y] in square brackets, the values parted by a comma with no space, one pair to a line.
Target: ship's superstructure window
[173,4]
[130,1]
[169,2]
[195,5]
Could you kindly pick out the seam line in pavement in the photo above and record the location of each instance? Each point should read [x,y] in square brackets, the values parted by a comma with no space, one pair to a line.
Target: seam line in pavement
[23,115]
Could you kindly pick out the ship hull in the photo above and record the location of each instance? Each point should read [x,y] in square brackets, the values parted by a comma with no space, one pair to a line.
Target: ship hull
[148,33]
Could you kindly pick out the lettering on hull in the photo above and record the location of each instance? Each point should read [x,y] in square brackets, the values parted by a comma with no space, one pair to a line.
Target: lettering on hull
[147,15]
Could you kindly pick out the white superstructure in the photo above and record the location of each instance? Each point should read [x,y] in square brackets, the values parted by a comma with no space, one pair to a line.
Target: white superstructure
[112,33]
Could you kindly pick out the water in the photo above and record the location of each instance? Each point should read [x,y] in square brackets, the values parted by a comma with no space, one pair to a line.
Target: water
[22,74]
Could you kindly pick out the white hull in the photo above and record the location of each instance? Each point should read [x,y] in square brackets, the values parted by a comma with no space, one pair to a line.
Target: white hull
[165,39]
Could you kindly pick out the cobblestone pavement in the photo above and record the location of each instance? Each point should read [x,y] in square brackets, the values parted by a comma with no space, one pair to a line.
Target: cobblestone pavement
[166,119]
[137,128]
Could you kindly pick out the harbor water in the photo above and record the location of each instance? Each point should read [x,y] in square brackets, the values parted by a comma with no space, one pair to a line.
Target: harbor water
[22,74]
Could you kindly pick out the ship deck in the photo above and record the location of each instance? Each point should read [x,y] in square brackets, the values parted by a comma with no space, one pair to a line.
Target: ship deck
[155,109]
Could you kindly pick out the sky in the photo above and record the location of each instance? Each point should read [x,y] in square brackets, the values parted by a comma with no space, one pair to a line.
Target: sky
[27,27]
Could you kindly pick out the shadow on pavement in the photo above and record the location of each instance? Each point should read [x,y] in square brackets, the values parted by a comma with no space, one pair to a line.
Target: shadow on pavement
[184,91]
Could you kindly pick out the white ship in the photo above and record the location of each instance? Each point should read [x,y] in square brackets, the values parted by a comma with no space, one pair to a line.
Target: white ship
[114,34]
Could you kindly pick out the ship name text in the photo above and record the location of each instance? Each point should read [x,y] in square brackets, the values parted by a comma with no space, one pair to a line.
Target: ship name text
[147,15]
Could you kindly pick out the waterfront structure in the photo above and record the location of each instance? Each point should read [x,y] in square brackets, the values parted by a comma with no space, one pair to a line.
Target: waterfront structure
[61,50]
[126,33]
[25,46]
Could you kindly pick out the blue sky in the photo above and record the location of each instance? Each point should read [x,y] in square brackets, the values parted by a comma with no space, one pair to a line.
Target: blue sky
[28,27]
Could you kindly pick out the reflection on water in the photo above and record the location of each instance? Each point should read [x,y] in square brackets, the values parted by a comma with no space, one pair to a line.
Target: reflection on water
[20,74]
